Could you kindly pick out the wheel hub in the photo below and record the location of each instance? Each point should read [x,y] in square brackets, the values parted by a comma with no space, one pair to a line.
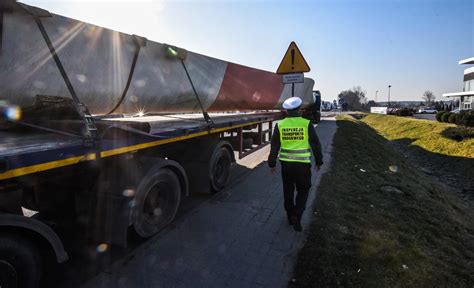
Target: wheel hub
[219,170]
[8,276]
[152,201]
[156,202]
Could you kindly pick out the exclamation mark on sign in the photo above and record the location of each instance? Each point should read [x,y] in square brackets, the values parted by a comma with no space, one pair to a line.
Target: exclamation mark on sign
[292,59]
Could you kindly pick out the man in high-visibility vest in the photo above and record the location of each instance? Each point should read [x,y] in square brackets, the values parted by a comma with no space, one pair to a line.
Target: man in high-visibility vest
[292,142]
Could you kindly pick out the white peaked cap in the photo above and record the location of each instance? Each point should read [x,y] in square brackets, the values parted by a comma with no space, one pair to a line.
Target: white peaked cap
[292,103]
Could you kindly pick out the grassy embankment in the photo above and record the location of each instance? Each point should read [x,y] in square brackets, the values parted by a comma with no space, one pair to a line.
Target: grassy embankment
[435,137]
[382,223]
[444,151]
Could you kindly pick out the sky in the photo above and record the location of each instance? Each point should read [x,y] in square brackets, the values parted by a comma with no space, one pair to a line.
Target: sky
[412,45]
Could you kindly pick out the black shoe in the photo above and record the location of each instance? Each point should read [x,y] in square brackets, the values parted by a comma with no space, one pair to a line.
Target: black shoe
[292,219]
[297,226]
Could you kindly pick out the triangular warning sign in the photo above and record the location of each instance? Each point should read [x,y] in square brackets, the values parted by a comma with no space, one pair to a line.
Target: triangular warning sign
[293,61]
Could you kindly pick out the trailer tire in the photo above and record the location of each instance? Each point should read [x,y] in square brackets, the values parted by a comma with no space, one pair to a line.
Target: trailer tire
[220,168]
[20,263]
[156,201]
[247,143]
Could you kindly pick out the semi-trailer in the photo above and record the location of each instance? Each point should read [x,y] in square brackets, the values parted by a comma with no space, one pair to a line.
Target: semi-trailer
[102,132]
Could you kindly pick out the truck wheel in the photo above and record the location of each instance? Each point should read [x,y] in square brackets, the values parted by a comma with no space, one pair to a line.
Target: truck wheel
[247,143]
[220,168]
[156,201]
[19,263]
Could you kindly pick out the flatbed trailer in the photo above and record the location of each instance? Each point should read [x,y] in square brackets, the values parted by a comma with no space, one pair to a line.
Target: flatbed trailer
[133,177]
[23,153]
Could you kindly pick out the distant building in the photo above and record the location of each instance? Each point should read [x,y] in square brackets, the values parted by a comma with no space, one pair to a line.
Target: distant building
[466,97]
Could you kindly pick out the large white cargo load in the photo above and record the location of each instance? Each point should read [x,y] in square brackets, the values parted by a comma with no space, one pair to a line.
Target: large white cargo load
[100,63]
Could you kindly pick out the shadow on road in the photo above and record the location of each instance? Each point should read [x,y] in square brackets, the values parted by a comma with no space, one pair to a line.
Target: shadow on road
[86,261]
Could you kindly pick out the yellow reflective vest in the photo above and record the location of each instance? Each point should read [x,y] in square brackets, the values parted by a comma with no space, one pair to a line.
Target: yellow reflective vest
[294,140]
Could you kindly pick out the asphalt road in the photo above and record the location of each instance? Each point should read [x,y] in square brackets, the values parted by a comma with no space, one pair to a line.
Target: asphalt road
[431,117]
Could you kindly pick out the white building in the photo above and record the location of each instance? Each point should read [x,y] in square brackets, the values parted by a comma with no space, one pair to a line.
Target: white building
[466,97]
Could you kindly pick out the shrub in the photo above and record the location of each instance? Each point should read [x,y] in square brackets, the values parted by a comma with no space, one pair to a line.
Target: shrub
[445,117]
[458,119]
[406,112]
[439,114]
[458,133]
[403,112]
[465,118]
[452,118]
[468,119]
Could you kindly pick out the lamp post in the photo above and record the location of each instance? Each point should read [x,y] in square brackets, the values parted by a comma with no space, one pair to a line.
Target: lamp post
[377,91]
[389,86]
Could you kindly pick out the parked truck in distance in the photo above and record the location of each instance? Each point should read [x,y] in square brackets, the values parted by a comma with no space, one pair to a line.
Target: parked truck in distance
[313,112]
[102,132]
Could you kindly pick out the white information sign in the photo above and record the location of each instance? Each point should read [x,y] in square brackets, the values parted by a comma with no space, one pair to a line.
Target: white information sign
[378,110]
[293,78]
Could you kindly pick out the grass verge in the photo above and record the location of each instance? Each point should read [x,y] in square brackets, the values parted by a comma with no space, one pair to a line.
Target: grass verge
[380,223]
[435,137]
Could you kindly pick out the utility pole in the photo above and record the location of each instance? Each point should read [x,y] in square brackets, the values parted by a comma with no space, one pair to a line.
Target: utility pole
[377,91]
[389,86]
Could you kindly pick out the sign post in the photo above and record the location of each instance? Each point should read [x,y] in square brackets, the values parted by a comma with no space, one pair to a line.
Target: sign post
[292,66]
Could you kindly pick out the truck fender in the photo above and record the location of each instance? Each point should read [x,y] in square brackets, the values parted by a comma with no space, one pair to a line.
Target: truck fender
[176,168]
[229,147]
[39,229]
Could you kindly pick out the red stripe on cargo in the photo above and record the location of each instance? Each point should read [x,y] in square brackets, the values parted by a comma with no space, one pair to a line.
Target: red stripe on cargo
[245,88]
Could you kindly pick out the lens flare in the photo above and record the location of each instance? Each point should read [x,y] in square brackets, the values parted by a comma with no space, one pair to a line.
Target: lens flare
[10,112]
[101,248]
[140,112]
[13,113]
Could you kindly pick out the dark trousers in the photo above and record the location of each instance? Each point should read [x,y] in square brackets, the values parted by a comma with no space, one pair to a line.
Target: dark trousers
[295,175]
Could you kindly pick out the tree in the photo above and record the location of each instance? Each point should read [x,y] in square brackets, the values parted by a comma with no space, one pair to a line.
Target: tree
[456,103]
[354,99]
[371,103]
[442,106]
[428,96]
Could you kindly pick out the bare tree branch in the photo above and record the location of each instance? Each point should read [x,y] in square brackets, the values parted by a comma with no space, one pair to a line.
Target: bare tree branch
[429,97]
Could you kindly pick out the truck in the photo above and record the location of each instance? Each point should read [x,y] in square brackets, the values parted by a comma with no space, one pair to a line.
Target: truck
[102,132]
[313,112]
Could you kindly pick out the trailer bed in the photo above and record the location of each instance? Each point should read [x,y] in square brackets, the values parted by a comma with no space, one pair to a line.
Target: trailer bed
[27,153]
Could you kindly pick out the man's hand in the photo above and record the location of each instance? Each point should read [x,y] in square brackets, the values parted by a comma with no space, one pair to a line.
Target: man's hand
[273,170]
[317,167]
